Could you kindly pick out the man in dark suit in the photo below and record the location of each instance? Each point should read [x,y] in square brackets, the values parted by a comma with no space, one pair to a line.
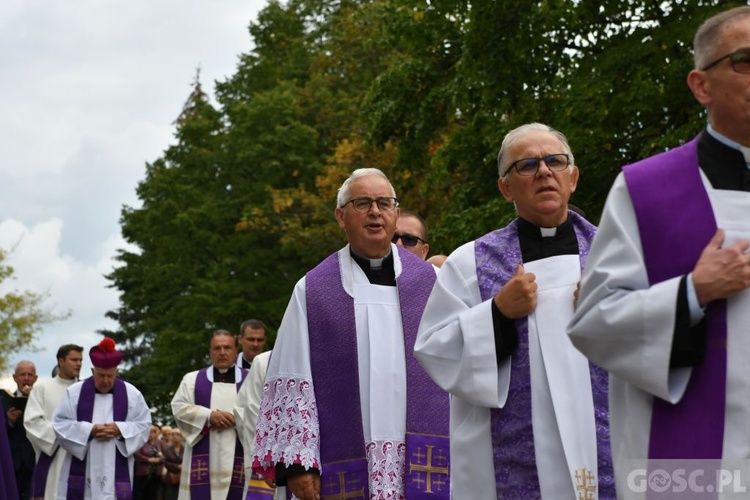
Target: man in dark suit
[20,447]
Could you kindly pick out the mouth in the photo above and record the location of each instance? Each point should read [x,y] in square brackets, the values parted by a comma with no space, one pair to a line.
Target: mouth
[546,189]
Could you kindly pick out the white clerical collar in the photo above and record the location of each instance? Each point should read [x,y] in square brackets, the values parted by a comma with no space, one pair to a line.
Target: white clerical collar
[548,231]
[732,144]
[374,263]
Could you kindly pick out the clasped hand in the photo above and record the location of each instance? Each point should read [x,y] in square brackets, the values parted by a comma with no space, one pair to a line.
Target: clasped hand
[105,432]
[221,420]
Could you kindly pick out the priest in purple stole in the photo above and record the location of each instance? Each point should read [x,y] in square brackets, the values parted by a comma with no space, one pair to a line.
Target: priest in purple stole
[213,463]
[664,303]
[528,412]
[101,422]
[347,412]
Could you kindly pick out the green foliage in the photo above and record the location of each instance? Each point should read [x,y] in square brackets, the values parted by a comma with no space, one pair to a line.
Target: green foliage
[22,315]
[241,206]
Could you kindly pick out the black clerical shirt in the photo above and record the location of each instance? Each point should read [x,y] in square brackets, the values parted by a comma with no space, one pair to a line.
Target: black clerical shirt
[226,377]
[383,275]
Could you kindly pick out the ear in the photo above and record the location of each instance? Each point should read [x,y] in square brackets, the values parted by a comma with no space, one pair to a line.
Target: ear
[339,213]
[503,186]
[700,85]
[425,251]
[574,173]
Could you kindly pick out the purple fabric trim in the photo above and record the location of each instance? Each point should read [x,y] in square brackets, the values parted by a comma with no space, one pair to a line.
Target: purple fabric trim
[347,479]
[84,413]
[259,492]
[41,472]
[497,255]
[333,352]
[200,463]
[8,487]
[673,208]
[428,465]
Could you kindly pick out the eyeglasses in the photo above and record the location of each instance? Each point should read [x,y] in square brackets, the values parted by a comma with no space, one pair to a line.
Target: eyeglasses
[739,60]
[363,204]
[409,240]
[529,166]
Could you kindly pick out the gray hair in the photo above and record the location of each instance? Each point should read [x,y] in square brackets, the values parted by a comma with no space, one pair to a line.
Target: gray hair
[708,37]
[25,362]
[511,137]
[343,194]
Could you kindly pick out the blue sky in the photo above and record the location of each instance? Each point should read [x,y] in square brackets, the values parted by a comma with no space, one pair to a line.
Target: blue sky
[89,91]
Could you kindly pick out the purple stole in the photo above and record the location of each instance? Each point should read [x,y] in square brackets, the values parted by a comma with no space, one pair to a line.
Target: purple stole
[8,488]
[200,468]
[674,211]
[497,256]
[333,352]
[258,490]
[41,472]
[85,412]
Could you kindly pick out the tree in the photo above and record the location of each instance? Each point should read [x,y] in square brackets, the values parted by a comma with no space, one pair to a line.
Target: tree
[22,315]
[241,206]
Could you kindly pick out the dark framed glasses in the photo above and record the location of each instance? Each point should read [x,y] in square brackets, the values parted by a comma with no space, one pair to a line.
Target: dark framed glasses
[363,204]
[409,240]
[529,166]
[740,61]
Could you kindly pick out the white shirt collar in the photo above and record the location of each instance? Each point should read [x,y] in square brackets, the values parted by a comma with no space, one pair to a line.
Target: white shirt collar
[732,144]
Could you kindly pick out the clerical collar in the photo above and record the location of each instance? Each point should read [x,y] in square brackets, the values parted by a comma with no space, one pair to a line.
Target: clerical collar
[732,144]
[245,363]
[226,376]
[378,271]
[533,231]
[539,243]
[374,264]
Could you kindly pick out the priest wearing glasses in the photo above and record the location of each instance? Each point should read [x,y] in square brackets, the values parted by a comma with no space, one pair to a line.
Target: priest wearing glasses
[664,302]
[347,411]
[528,413]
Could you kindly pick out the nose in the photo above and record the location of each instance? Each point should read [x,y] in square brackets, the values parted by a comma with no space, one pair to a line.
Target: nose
[546,172]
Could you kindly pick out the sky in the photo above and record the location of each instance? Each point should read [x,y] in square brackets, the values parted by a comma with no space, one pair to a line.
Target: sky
[89,92]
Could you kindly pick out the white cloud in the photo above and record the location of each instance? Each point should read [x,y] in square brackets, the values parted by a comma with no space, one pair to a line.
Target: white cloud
[89,91]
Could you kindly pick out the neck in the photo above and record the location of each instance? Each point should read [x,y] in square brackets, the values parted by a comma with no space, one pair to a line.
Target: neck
[372,253]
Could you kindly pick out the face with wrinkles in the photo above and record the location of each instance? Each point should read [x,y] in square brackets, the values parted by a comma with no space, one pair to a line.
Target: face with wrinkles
[724,92]
[542,198]
[369,232]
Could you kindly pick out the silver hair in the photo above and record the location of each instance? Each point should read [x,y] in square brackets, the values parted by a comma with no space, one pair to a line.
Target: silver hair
[343,194]
[517,133]
[25,362]
[708,37]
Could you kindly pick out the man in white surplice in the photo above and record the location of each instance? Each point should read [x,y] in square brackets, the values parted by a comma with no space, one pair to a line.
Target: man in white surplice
[655,336]
[362,295]
[101,421]
[493,335]
[212,421]
[43,400]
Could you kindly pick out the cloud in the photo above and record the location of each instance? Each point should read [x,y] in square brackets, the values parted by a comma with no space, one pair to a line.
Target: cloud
[90,90]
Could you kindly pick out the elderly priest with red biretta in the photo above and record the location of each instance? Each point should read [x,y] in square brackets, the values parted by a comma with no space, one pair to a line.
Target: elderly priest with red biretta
[101,422]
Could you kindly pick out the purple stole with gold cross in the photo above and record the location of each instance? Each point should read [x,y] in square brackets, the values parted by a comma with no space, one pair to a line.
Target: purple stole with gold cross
[675,223]
[84,413]
[335,372]
[497,256]
[200,469]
